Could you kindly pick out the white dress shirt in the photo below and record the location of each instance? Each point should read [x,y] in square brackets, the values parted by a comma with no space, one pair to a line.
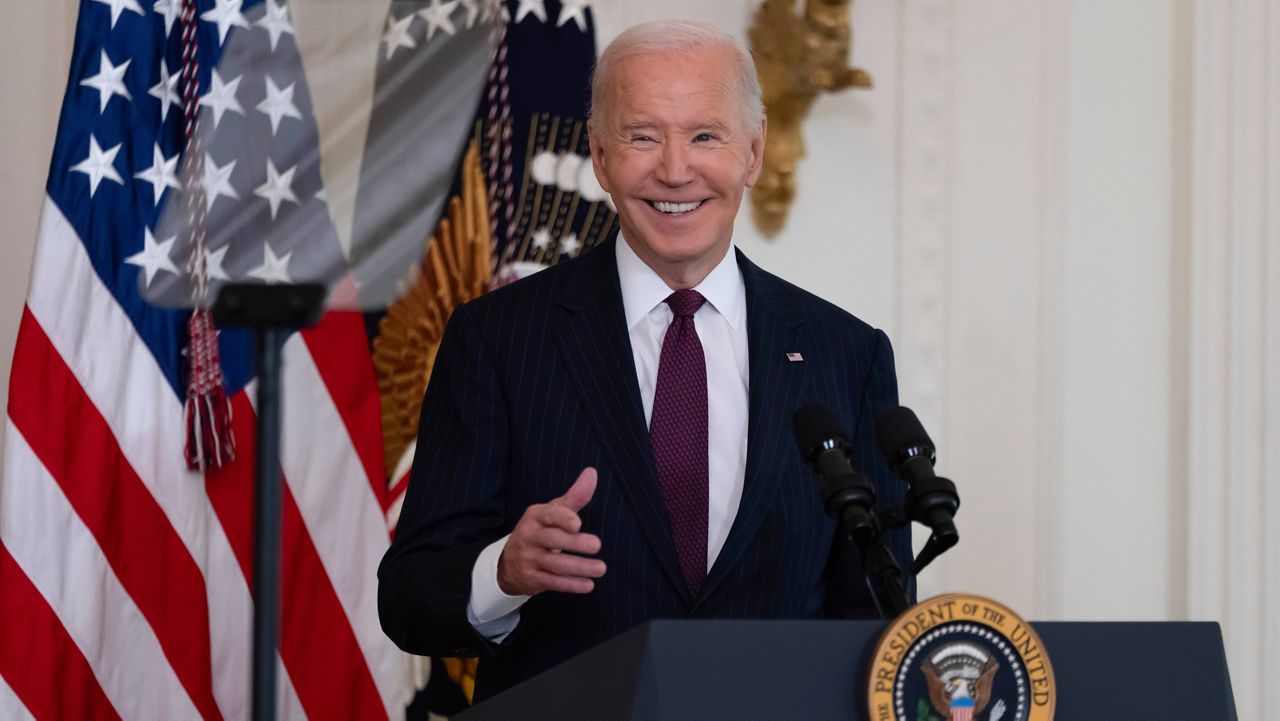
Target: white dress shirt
[721,323]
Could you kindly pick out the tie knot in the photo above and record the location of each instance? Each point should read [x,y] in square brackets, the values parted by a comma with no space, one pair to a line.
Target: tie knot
[684,303]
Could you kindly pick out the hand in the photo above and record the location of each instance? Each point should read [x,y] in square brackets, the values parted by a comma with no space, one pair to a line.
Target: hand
[535,559]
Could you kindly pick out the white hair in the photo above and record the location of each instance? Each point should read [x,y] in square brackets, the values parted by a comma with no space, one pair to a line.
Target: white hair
[664,37]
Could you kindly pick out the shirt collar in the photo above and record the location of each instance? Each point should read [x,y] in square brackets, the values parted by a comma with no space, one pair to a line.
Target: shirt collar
[643,289]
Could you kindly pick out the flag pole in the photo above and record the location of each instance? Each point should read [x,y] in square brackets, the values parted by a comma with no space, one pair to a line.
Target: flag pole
[272,311]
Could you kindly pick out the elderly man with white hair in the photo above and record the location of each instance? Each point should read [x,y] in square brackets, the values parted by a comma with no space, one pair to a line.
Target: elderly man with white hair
[608,441]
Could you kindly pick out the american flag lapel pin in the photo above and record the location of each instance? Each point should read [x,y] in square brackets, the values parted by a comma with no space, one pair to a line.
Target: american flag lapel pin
[795,357]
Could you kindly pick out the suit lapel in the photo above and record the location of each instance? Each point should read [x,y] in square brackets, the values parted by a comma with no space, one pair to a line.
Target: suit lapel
[594,343]
[776,385]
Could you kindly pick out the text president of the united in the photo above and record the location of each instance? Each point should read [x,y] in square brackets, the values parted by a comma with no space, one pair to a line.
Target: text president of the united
[608,441]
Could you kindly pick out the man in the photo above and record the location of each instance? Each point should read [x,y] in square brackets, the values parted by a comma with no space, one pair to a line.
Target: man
[608,441]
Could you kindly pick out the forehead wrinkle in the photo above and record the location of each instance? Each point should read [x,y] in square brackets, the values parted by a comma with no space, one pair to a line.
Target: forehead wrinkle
[629,99]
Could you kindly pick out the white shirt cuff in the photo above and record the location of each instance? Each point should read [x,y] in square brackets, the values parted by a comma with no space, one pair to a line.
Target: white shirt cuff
[490,611]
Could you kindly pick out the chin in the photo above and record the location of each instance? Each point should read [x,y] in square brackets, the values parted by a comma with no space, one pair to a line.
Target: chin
[682,249]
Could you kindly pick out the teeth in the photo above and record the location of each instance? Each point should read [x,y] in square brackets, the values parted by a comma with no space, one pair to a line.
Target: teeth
[675,207]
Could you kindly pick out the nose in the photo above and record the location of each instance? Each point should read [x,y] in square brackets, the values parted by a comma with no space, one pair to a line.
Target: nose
[674,169]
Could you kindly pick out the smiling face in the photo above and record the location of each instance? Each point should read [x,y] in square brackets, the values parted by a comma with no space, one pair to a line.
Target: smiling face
[674,150]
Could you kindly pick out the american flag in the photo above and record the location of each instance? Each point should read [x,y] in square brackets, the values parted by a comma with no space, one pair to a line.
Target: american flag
[124,576]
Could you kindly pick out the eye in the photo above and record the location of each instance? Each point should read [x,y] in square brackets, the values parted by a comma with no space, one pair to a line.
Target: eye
[703,138]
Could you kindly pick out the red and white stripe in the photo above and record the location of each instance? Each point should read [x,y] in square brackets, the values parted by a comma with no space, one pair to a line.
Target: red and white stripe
[125,577]
[11,707]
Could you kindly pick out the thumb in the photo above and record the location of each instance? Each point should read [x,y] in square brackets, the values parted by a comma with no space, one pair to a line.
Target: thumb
[580,493]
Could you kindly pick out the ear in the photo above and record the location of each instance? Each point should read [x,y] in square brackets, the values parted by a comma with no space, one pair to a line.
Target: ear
[757,154]
[597,155]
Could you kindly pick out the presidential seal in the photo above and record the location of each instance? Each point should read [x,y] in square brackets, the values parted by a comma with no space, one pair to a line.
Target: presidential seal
[960,658]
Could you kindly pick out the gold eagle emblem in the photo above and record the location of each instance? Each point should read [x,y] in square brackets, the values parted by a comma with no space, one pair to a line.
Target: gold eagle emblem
[456,268]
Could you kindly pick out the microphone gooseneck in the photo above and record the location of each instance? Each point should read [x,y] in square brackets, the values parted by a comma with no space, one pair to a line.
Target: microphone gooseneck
[931,499]
[847,495]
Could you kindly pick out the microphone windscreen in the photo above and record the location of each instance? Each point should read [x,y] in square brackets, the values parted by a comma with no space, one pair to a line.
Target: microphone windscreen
[898,429]
[814,424]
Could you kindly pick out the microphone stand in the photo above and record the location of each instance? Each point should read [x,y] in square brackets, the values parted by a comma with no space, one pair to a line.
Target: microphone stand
[272,311]
[884,575]
[884,578]
[866,530]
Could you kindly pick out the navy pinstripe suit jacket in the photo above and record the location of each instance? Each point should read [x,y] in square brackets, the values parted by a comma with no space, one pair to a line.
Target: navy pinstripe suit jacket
[535,381]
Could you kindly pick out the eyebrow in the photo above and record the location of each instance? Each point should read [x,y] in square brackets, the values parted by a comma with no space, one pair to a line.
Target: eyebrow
[714,125]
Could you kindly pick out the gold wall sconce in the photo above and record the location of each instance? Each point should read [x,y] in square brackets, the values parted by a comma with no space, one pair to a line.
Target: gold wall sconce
[798,55]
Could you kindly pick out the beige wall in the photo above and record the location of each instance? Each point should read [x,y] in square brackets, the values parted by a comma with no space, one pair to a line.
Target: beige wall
[1066,214]
[34,54]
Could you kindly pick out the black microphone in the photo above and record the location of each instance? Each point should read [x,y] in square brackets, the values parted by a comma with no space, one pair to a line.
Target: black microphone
[931,499]
[847,495]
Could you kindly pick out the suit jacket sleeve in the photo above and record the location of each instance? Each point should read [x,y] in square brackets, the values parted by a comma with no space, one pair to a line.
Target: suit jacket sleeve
[455,502]
[847,592]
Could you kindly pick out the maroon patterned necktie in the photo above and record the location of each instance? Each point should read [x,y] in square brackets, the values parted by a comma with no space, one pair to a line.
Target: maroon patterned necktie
[678,432]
